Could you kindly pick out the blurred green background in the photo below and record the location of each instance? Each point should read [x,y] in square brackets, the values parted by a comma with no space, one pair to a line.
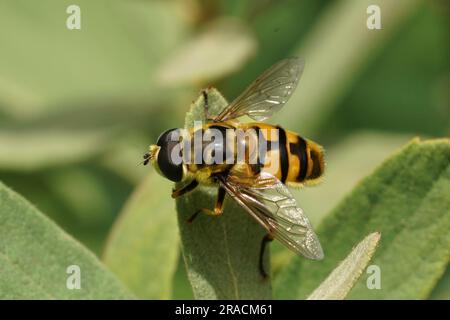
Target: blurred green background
[78,108]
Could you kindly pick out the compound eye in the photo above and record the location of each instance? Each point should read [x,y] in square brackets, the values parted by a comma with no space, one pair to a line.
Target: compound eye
[172,169]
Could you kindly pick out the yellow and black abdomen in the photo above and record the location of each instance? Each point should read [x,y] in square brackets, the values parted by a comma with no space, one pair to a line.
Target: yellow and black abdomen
[294,160]
[305,159]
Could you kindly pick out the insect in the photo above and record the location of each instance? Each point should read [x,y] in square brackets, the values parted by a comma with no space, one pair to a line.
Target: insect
[260,187]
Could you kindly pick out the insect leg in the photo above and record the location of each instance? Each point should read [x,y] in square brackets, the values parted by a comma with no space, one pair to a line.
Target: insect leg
[267,238]
[218,208]
[184,189]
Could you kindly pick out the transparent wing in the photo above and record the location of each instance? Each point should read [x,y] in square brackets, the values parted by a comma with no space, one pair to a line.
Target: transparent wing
[268,93]
[269,201]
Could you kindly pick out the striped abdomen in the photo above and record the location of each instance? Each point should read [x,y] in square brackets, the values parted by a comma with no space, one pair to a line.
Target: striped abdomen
[294,160]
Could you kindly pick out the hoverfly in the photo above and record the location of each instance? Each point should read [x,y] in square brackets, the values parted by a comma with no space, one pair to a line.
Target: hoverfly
[259,187]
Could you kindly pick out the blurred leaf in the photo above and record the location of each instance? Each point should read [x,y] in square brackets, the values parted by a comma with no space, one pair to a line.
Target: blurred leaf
[198,60]
[221,253]
[142,249]
[339,283]
[442,289]
[32,149]
[336,51]
[114,54]
[406,199]
[35,254]
[407,82]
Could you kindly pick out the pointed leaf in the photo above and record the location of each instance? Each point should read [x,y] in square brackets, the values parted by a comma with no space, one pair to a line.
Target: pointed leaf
[339,283]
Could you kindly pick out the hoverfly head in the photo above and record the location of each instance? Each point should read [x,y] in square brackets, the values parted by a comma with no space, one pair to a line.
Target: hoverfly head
[164,157]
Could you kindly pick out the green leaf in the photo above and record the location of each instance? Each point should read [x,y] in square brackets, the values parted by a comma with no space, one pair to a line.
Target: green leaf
[221,253]
[339,283]
[143,247]
[406,199]
[35,255]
